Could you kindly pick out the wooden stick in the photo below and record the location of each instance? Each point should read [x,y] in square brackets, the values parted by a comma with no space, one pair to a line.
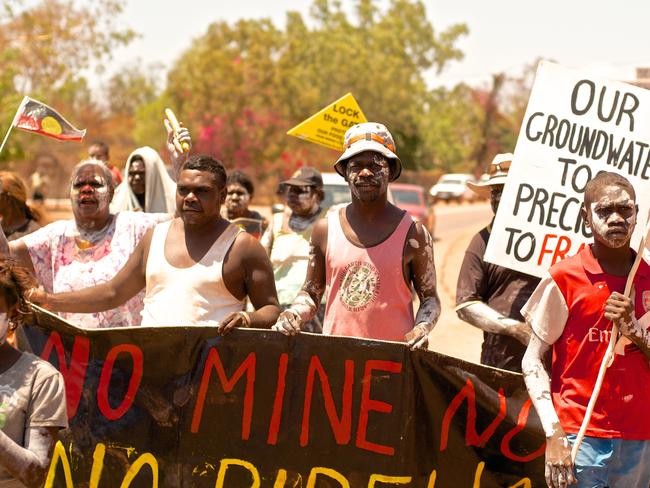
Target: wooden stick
[609,355]
[4,141]
[176,126]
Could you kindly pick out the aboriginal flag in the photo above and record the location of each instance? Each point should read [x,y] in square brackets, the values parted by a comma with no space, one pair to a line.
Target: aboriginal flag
[34,116]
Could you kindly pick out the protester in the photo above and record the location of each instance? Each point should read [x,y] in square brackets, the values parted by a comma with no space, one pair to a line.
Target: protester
[366,256]
[91,248]
[99,151]
[147,185]
[32,393]
[18,218]
[197,269]
[287,239]
[490,296]
[239,194]
[570,312]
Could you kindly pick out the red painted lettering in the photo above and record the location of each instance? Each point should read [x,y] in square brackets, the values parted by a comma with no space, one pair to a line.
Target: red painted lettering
[248,367]
[560,250]
[342,427]
[105,380]
[544,249]
[522,418]
[472,438]
[73,372]
[276,416]
[368,405]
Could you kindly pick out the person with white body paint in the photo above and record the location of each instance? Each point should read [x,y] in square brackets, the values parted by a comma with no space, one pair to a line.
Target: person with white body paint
[197,269]
[91,248]
[366,256]
[287,238]
[32,393]
[572,311]
[490,296]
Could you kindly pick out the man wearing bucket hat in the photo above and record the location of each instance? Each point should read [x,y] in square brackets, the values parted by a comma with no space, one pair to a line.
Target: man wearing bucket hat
[366,256]
[489,296]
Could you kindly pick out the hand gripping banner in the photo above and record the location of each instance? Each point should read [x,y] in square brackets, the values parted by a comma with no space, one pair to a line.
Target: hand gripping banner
[184,407]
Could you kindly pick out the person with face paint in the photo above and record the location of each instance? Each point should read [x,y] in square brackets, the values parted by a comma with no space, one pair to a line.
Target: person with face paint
[367,255]
[239,194]
[197,269]
[287,239]
[490,296]
[32,393]
[18,218]
[147,186]
[571,312]
[90,249]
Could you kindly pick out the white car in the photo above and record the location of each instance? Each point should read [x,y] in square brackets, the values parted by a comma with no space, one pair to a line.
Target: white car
[452,187]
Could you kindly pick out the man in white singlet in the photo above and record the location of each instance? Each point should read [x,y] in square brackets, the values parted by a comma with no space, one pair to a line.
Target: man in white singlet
[197,268]
[365,257]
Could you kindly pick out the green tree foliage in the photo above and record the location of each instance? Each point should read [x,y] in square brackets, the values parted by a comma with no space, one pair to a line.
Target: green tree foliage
[241,87]
[45,47]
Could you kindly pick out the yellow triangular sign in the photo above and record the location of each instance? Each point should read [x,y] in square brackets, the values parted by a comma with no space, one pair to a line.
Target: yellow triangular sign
[328,126]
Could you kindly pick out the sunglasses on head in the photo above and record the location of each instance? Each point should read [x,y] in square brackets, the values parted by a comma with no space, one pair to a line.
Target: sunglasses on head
[499,167]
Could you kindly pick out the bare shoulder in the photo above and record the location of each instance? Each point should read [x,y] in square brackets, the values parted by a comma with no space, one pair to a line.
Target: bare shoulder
[421,235]
[246,247]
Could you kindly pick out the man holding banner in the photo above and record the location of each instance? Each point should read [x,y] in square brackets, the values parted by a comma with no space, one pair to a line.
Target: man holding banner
[490,296]
[571,311]
[197,268]
[367,254]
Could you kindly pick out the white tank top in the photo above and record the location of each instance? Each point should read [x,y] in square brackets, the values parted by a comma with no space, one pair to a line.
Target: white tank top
[188,296]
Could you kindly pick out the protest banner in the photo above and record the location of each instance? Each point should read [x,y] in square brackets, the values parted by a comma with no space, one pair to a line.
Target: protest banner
[184,407]
[575,127]
[327,127]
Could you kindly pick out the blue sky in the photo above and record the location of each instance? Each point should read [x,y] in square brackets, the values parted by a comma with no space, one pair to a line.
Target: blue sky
[602,37]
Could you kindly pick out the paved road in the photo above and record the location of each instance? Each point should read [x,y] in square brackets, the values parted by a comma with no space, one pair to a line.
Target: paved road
[455,226]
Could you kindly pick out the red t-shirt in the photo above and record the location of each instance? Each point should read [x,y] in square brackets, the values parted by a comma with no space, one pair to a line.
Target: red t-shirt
[117,176]
[623,405]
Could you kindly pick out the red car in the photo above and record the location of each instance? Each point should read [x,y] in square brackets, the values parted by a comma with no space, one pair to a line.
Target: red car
[412,198]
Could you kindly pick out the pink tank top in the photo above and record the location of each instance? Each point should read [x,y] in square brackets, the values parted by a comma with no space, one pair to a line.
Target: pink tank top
[366,293]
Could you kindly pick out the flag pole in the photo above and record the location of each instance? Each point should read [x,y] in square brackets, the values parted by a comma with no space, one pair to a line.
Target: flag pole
[13,122]
[609,354]
[4,141]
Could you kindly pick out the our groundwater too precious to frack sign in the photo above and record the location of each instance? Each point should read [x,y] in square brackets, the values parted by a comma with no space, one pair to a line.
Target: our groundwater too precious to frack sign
[575,127]
[184,407]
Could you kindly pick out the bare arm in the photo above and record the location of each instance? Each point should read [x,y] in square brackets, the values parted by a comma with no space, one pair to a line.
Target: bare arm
[423,276]
[28,464]
[305,304]
[481,315]
[259,285]
[17,250]
[558,467]
[124,286]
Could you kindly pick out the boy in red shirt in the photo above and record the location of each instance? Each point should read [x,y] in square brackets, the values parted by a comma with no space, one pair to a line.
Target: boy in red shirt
[572,311]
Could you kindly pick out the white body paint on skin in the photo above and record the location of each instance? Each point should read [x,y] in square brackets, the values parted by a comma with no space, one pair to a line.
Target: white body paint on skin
[599,223]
